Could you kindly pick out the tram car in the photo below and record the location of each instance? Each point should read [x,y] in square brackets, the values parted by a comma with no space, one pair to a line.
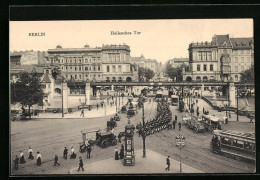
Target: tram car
[196,124]
[211,122]
[238,145]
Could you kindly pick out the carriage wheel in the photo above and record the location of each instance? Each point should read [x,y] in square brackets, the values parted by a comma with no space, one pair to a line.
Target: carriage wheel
[104,144]
[114,142]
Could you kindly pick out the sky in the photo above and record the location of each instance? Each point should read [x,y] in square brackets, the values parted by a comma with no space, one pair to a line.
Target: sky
[159,39]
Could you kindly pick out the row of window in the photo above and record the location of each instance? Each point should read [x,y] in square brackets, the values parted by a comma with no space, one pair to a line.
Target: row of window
[79,68]
[242,59]
[113,69]
[241,51]
[205,55]
[79,60]
[205,67]
[79,76]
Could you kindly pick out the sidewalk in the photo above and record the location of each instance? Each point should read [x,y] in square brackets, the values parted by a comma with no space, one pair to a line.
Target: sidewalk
[153,163]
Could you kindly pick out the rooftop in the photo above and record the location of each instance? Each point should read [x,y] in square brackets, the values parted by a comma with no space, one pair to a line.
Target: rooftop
[26,68]
[242,43]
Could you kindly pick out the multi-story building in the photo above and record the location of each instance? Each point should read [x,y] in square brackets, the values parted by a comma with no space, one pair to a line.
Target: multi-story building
[177,62]
[223,58]
[242,56]
[106,63]
[145,63]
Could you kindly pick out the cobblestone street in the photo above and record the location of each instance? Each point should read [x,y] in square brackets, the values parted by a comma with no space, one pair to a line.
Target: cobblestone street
[50,136]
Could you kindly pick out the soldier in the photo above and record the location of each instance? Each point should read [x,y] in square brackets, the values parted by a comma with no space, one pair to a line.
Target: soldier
[80,164]
[168,163]
[16,161]
[56,160]
[65,153]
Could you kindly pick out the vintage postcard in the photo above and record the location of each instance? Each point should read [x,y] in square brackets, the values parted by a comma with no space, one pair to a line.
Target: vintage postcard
[166,96]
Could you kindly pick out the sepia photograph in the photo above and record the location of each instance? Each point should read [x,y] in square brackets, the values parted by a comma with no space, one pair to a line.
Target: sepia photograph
[154,96]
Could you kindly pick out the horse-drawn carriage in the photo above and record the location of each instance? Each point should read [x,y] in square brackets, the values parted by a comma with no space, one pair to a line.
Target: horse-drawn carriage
[131,112]
[211,122]
[117,118]
[106,139]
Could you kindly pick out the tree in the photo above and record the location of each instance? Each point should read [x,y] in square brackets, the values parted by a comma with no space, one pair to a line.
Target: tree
[145,72]
[149,74]
[176,72]
[27,90]
[247,75]
[55,72]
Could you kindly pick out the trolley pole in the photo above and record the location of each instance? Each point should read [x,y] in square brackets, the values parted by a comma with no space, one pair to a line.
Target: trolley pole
[144,151]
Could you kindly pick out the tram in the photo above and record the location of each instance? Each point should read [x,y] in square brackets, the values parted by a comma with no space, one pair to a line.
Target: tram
[239,145]
[174,100]
[159,96]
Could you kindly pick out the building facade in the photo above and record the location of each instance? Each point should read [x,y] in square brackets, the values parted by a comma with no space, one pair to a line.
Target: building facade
[222,59]
[177,62]
[145,63]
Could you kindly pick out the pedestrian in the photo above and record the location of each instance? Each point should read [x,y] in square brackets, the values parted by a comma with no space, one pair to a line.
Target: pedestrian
[112,131]
[168,163]
[97,106]
[16,161]
[179,126]
[229,114]
[173,124]
[80,164]
[22,160]
[196,101]
[65,153]
[30,151]
[82,112]
[73,155]
[176,117]
[39,159]
[198,113]
[251,119]
[88,151]
[56,160]
[122,151]
[116,154]
[225,119]
[203,110]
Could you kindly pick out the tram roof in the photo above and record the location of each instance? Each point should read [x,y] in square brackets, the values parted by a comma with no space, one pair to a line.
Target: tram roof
[238,134]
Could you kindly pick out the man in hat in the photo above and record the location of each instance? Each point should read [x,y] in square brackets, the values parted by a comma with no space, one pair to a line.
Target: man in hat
[168,163]
[65,153]
[56,160]
[39,159]
[80,164]
[16,161]
[30,151]
[22,160]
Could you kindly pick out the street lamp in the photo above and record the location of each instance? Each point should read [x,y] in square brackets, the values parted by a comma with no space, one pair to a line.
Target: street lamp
[144,151]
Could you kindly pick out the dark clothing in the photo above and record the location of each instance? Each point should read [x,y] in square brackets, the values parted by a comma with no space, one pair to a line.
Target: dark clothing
[176,118]
[30,156]
[81,165]
[65,153]
[73,156]
[16,161]
[22,160]
[116,155]
[179,126]
[88,152]
[168,164]
[39,161]
[56,161]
